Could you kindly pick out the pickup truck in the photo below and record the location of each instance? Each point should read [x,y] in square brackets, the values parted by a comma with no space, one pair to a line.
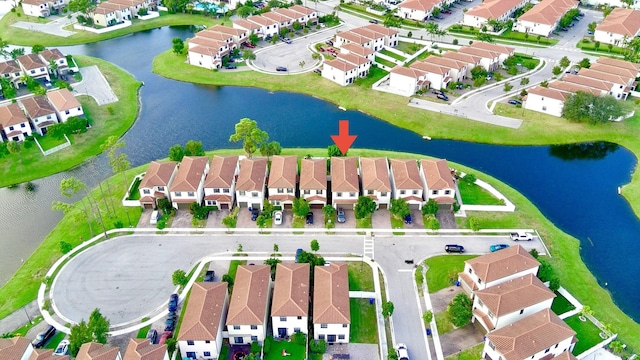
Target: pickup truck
[521,236]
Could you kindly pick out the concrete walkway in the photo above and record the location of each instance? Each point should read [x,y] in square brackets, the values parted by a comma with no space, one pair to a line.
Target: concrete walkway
[19,317]
[481,114]
[95,85]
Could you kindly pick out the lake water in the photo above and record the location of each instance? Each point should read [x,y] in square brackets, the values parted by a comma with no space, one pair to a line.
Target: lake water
[574,186]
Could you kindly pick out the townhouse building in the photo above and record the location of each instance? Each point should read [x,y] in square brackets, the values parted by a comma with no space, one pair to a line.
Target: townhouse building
[65,104]
[283,22]
[43,354]
[331,312]
[207,52]
[438,76]
[406,182]
[247,315]
[268,26]
[218,36]
[187,186]
[545,100]
[33,66]
[55,60]
[15,124]
[283,180]
[238,36]
[290,303]
[155,183]
[500,10]
[544,17]
[220,183]
[408,81]
[251,184]
[309,14]
[40,113]
[457,69]
[11,71]
[489,60]
[469,60]
[37,8]
[18,348]
[143,349]
[620,26]
[248,27]
[374,173]
[313,182]
[95,351]
[503,51]
[437,181]
[345,182]
[357,50]
[621,85]
[419,10]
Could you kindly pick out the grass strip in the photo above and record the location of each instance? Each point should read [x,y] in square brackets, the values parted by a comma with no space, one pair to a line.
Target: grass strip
[360,276]
[364,323]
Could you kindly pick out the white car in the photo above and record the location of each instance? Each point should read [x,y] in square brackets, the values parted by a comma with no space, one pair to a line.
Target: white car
[62,349]
[402,352]
[277,217]
[521,236]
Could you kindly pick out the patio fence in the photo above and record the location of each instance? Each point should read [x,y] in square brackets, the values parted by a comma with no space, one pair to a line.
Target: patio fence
[54,149]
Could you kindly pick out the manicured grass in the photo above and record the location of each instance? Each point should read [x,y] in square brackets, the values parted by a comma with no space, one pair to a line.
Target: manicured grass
[364,223]
[55,340]
[393,55]
[224,352]
[472,194]
[587,333]
[603,49]
[442,269]
[507,35]
[472,353]
[408,48]
[443,323]
[49,142]
[134,192]
[275,353]
[396,223]
[375,74]
[384,62]
[360,276]
[561,305]
[25,37]
[22,331]
[29,164]
[364,326]
[233,267]
[22,288]
[298,222]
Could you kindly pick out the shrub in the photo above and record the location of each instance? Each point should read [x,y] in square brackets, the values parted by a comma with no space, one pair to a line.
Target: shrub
[459,310]
[318,346]
[474,224]
[427,317]
[255,347]
[469,178]
[65,247]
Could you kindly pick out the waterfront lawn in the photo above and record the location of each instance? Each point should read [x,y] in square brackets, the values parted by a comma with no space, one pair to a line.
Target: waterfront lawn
[588,334]
[26,37]
[49,142]
[472,194]
[364,324]
[441,270]
[29,164]
[375,74]
[275,353]
[472,353]
[360,276]
[561,305]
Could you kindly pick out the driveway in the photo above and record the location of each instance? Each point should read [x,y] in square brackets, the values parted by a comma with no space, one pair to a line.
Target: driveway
[95,85]
[460,339]
[215,218]
[244,219]
[381,219]
[54,27]
[182,219]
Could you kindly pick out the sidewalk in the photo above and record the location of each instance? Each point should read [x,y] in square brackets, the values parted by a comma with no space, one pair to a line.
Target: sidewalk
[19,318]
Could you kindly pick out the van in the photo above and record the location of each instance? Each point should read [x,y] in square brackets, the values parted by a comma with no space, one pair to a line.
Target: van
[155,215]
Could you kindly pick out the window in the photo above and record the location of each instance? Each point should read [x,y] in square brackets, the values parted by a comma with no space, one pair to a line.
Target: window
[341,337]
[345,325]
[10,127]
[295,330]
[447,192]
[307,192]
[226,191]
[352,194]
[491,345]
[280,190]
[323,326]
[384,193]
[236,327]
[319,192]
[160,188]
[521,311]
[207,353]
[146,191]
[470,271]
[190,342]
[544,108]
[490,314]
[254,338]
[556,346]
[337,194]
[370,192]
[254,194]
[238,339]
[434,192]
[321,337]
[290,191]
[22,125]
[254,327]
[191,194]
[479,281]
[178,194]
[415,192]
[283,318]
[33,71]
[48,117]
[66,112]
[546,351]
[207,342]
[216,191]
[299,317]
[402,192]
[242,192]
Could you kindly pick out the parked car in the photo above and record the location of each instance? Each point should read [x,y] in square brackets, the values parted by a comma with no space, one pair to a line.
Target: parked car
[589,32]
[281,68]
[231,66]
[209,276]
[329,42]
[448,12]
[373,21]
[155,215]
[165,335]
[496,247]
[454,248]
[170,323]
[439,17]
[173,302]
[317,71]
[286,40]
[435,91]
[309,218]
[254,214]
[521,236]
[152,335]
[277,217]
[249,45]
[43,337]
[515,102]
[407,219]
[402,351]
[341,217]
[443,97]
[62,349]
[298,253]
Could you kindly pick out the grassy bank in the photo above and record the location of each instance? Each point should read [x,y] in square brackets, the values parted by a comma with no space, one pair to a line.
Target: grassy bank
[113,119]
[537,129]
[25,37]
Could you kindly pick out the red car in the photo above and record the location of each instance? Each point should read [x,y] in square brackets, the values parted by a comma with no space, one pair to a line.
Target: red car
[165,335]
[448,12]
[249,45]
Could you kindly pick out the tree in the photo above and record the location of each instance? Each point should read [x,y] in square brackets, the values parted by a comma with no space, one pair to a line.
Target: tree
[586,107]
[315,246]
[482,36]
[71,186]
[7,88]
[387,309]
[248,54]
[36,49]
[586,311]
[79,335]
[459,310]
[300,207]
[14,147]
[251,136]
[364,207]
[427,316]
[554,284]
[617,346]
[179,278]
[95,330]
[329,211]
[16,52]
[592,26]
[596,45]
[399,208]
[228,279]
[65,247]
[479,72]
[4,45]
[245,11]
[334,150]
[585,63]
[524,81]
[87,7]
[409,34]
[178,45]
[507,87]
[193,148]
[430,208]
[432,29]
[632,49]
[318,346]
[545,271]
[557,70]
[271,148]
[99,326]
[390,20]
[176,153]
[391,354]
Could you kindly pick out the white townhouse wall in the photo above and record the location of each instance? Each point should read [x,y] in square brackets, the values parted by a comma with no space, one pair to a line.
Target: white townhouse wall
[500,10]
[469,60]
[613,3]
[56,57]
[457,69]
[204,56]
[362,64]
[268,27]
[498,51]
[33,66]
[437,181]
[489,60]
[200,335]
[218,36]
[438,76]
[309,14]
[357,50]
[390,37]
[238,36]
[376,39]
[406,183]
[620,25]
[345,181]
[538,336]
[284,22]
[65,104]
[407,81]
[220,184]
[621,84]
[248,26]
[18,348]
[497,267]
[40,112]
[283,176]
[248,308]
[544,17]
[419,10]
[251,184]
[313,181]
[348,37]
[188,185]
[340,72]
[503,304]
[374,173]
[331,312]
[36,8]
[545,100]
[155,183]
[15,124]
[290,303]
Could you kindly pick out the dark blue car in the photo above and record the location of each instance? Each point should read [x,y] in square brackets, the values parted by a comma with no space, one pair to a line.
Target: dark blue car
[173,302]
[407,219]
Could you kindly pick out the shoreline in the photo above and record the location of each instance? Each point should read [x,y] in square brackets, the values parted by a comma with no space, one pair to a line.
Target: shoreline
[23,286]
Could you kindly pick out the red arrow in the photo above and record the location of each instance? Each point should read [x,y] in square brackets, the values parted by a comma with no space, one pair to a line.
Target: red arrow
[343,139]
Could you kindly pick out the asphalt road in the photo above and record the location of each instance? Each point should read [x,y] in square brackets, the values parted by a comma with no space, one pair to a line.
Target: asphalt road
[129,277]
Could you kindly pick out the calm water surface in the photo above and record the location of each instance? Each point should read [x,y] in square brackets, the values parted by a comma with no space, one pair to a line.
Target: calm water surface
[574,186]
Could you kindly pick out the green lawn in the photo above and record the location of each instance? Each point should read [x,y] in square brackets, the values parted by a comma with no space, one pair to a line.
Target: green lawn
[360,276]
[507,35]
[134,192]
[587,333]
[561,305]
[396,223]
[408,48]
[385,62]
[22,331]
[393,55]
[55,340]
[49,142]
[442,269]
[472,194]
[25,37]
[364,223]
[375,74]
[29,164]
[233,267]
[364,325]
[603,49]
[473,353]
[142,333]
[296,351]
[298,222]
[443,323]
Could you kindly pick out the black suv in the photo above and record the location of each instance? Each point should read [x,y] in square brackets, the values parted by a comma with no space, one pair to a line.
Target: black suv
[454,248]
[43,337]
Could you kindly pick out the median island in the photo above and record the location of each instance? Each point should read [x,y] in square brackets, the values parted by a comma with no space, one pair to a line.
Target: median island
[72,230]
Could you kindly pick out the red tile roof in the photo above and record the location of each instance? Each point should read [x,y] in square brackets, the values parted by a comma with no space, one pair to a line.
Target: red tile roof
[548,12]
[503,263]
[31,61]
[95,351]
[344,174]
[408,72]
[375,174]
[250,296]
[37,106]
[158,174]
[11,114]
[437,174]
[252,174]
[406,175]
[62,99]
[221,172]
[189,173]
[142,349]
[621,21]
[331,294]
[514,295]
[14,348]
[291,290]
[204,311]
[283,172]
[313,174]
[493,9]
